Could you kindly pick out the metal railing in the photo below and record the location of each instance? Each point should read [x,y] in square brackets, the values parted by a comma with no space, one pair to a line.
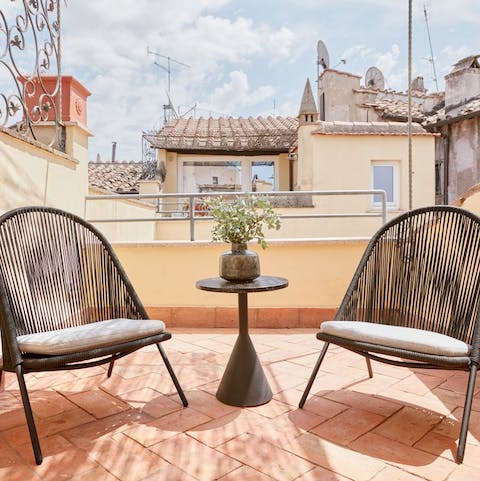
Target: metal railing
[30,51]
[193,207]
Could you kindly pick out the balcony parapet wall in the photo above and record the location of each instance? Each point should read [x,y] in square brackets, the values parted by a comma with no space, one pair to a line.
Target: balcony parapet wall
[318,270]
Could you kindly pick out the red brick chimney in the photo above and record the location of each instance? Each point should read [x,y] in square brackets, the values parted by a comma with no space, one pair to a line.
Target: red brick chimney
[74,98]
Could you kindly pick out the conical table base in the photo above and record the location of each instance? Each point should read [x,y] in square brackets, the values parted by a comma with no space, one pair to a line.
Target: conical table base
[244,383]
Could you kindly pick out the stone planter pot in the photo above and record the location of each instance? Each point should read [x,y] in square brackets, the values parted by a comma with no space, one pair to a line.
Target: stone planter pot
[239,264]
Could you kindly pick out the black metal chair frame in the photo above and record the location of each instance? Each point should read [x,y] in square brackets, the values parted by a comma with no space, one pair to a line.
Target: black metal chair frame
[421,270]
[58,271]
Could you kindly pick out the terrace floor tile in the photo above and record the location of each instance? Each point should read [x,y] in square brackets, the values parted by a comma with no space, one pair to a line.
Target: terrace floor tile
[401,425]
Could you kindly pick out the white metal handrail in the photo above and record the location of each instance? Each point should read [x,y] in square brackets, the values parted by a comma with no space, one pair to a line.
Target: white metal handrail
[190,200]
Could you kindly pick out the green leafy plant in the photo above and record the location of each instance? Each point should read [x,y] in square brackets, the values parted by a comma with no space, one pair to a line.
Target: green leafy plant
[242,219]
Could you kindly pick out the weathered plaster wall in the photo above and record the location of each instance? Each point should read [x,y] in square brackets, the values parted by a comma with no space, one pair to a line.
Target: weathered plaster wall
[337,90]
[464,157]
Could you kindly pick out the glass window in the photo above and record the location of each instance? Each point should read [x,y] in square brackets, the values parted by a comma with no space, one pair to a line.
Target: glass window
[263,176]
[208,176]
[384,177]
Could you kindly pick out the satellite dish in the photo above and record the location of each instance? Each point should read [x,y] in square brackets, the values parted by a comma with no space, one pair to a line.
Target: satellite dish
[323,58]
[374,79]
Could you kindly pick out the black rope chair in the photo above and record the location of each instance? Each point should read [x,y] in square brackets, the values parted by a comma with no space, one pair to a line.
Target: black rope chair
[414,299]
[65,300]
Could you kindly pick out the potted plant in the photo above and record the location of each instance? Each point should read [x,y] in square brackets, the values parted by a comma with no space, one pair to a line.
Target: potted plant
[239,221]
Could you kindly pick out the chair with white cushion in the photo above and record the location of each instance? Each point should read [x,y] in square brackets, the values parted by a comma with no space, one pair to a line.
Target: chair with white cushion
[414,299]
[65,300]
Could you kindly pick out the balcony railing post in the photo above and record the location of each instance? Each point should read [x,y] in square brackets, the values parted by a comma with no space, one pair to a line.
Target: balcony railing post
[384,207]
[191,213]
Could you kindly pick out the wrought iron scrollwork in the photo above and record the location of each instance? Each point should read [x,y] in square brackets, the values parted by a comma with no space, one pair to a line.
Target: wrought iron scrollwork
[30,69]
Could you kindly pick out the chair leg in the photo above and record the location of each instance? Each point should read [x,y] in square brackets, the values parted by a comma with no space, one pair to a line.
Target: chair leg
[466,414]
[172,375]
[313,375]
[29,415]
[2,380]
[110,368]
[369,367]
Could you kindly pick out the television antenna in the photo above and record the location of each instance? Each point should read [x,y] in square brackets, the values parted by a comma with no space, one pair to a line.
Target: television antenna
[169,111]
[168,67]
[431,59]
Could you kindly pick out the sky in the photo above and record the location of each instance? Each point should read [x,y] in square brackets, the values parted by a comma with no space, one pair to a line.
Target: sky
[242,57]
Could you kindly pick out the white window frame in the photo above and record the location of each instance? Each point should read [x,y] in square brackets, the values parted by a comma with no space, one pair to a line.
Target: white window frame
[199,158]
[246,166]
[394,203]
[276,172]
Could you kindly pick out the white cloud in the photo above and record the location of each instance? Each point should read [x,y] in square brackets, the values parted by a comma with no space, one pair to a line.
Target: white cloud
[448,12]
[105,46]
[360,57]
[236,93]
[388,61]
[451,55]
[356,51]
[242,54]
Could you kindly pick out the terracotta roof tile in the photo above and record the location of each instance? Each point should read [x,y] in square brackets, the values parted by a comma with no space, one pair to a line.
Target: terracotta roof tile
[368,128]
[471,107]
[398,109]
[228,133]
[116,177]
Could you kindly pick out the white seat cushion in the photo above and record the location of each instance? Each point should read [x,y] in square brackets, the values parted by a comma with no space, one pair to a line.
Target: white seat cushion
[89,336]
[411,339]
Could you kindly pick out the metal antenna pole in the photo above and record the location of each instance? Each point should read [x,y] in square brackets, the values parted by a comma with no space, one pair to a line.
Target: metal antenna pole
[168,68]
[410,162]
[432,58]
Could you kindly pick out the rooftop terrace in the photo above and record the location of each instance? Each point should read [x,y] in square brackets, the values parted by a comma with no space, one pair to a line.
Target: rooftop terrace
[400,425]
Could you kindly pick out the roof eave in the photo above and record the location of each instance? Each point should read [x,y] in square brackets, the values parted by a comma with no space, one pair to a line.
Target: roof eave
[452,120]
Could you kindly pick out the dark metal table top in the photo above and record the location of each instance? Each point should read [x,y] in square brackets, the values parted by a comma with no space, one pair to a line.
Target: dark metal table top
[260,284]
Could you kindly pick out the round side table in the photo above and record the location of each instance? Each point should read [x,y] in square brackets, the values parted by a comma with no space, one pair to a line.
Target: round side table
[243,382]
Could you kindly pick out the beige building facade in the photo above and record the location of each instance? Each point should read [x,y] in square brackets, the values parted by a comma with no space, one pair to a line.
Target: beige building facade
[355,155]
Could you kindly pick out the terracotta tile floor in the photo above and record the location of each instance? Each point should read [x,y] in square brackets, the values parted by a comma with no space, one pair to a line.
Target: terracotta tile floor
[400,425]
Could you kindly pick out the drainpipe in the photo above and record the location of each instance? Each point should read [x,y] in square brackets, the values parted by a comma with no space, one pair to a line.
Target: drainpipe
[446,167]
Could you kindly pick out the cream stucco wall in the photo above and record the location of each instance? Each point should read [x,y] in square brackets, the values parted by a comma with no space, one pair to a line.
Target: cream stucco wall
[164,274]
[32,174]
[305,155]
[290,229]
[344,162]
[121,209]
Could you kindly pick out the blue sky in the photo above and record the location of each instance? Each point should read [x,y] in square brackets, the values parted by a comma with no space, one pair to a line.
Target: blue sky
[245,56]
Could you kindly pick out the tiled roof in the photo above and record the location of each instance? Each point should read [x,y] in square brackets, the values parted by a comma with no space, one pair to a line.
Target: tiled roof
[471,107]
[398,109]
[227,133]
[368,128]
[116,177]
[472,61]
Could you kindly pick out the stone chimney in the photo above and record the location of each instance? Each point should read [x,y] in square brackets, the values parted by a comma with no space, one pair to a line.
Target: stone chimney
[336,99]
[462,83]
